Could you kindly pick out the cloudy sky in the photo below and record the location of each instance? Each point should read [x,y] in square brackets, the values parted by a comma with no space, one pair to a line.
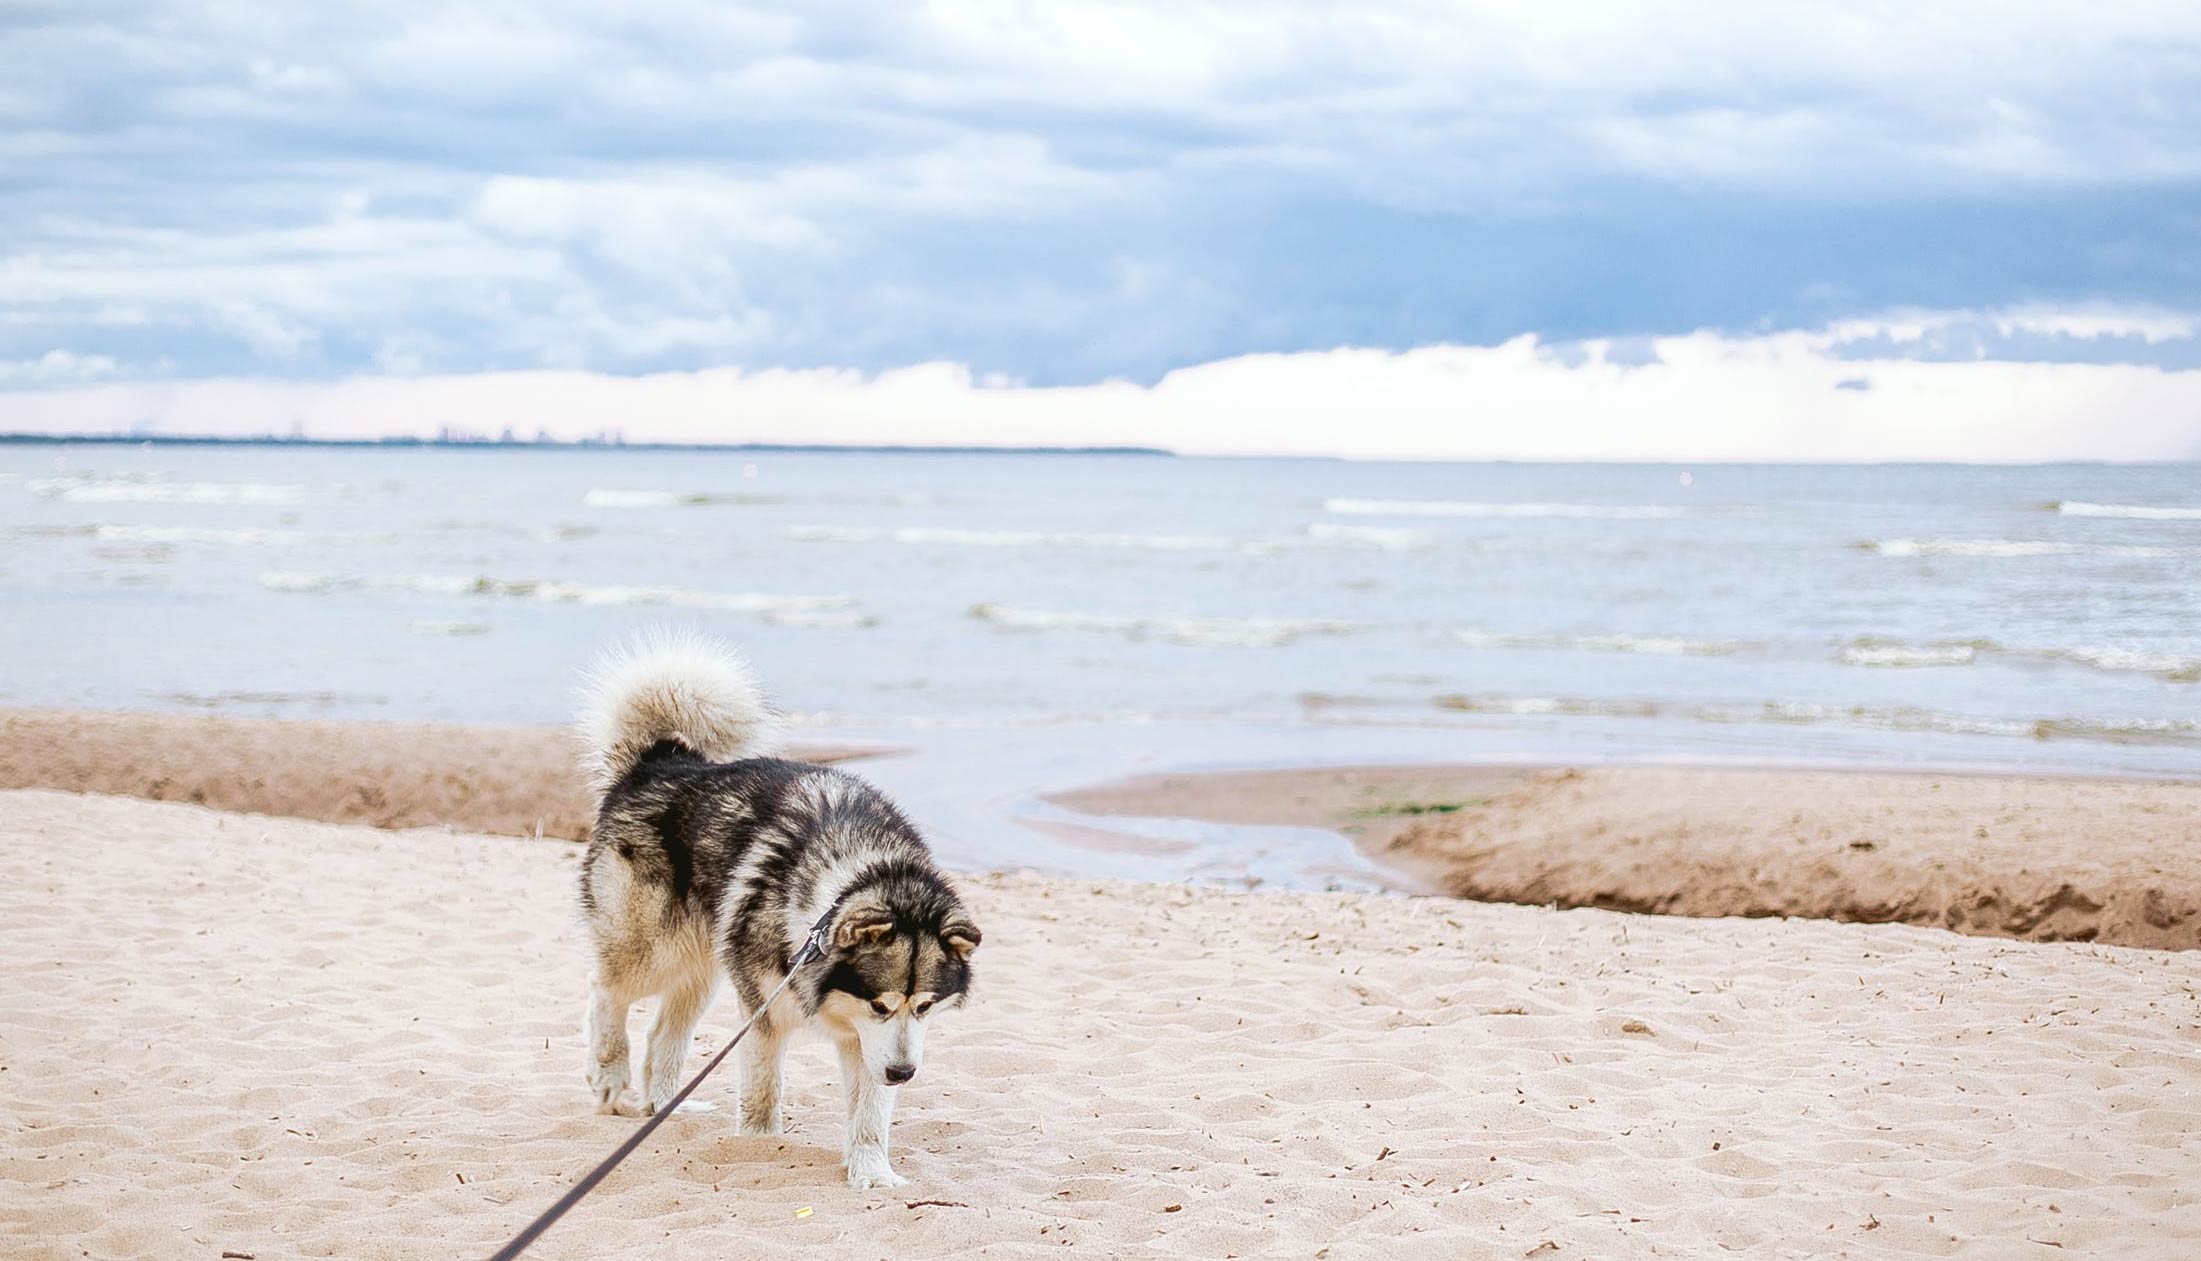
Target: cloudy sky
[1686,229]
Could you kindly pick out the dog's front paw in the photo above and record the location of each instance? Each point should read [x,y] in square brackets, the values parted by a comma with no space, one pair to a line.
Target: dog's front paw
[868,1169]
[874,1178]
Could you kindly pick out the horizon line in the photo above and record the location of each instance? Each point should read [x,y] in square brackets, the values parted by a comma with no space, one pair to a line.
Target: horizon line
[457,443]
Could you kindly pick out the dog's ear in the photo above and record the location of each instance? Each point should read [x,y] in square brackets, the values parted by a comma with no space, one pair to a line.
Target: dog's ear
[960,938]
[862,926]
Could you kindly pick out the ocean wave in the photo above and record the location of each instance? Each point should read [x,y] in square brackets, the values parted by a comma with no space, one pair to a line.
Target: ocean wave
[1538,706]
[1021,538]
[1651,645]
[1013,538]
[1463,508]
[946,537]
[600,498]
[834,534]
[2134,512]
[822,619]
[772,608]
[194,534]
[1870,650]
[1904,656]
[266,700]
[2019,547]
[2148,731]
[166,535]
[136,490]
[1199,632]
[1885,718]
[2163,665]
[276,580]
[1319,534]
[1387,538]
[432,627]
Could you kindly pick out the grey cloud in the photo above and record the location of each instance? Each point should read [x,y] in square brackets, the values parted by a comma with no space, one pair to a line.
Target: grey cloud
[1063,192]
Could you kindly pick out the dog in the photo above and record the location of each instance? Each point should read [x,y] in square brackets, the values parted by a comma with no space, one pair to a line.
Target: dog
[711,859]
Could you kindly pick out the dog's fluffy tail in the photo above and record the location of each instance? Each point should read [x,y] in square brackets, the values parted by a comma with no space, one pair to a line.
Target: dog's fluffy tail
[678,686]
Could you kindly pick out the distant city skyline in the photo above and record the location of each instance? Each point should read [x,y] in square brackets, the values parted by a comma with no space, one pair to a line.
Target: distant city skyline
[1969,231]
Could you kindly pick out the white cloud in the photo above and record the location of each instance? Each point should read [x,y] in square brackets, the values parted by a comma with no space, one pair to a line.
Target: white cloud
[680,181]
[1704,396]
[56,366]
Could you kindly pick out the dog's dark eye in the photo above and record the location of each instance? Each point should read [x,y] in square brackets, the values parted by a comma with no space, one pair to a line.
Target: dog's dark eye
[922,1008]
[879,1006]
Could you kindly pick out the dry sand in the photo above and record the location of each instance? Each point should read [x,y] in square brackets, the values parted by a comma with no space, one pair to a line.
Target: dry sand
[2043,859]
[511,780]
[279,1038]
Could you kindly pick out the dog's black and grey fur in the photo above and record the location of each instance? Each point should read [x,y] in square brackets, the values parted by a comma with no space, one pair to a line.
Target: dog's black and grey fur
[709,860]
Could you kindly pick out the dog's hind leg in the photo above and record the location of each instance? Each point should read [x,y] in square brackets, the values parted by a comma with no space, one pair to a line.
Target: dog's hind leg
[870,1113]
[761,1053]
[606,1029]
[677,1014]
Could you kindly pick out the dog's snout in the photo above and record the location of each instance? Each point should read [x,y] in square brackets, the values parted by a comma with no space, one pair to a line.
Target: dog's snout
[899,1073]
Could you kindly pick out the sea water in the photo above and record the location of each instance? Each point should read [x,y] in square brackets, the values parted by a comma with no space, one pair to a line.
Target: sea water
[1075,614]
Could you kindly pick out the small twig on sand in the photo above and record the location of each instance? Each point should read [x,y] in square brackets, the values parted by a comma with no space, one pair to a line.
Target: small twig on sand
[938,1203]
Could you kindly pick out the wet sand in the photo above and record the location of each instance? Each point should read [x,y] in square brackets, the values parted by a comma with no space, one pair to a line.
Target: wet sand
[2043,859]
[508,780]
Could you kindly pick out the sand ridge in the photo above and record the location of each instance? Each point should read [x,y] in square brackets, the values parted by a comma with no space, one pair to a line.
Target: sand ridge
[2033,857]
[509,780]
[296,1039]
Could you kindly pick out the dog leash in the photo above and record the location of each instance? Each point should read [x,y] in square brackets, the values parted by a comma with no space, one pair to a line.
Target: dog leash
[813,947]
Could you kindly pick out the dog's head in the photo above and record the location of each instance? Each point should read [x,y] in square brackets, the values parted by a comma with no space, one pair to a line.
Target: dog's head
[897,953]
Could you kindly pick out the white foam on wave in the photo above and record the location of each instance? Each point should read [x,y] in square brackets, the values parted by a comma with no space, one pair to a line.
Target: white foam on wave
[603,498]
[282,580]
[450,628]
[2152,731]
[834,534]
[1463,508]
[947,537]
[1199,632]
[790,609]
[1021,538]
[2020,547]
[1542,706]
[145,490]
[1652,645]
[2134,512]
[1870,651]
[1388,538]
[194,534]
[822,619]
[1886,718]
[1323,534]
[1908,656]
[2165,665]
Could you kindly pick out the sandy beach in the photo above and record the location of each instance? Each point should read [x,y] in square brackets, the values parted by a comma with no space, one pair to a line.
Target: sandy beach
[2038,858]
[211,1046]
[256,1034]
[517,781]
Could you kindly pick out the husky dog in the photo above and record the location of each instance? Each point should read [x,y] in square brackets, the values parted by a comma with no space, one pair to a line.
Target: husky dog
[710,859]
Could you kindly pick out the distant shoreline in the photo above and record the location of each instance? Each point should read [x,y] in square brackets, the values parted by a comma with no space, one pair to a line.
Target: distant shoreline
[410,443]
[530,444]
